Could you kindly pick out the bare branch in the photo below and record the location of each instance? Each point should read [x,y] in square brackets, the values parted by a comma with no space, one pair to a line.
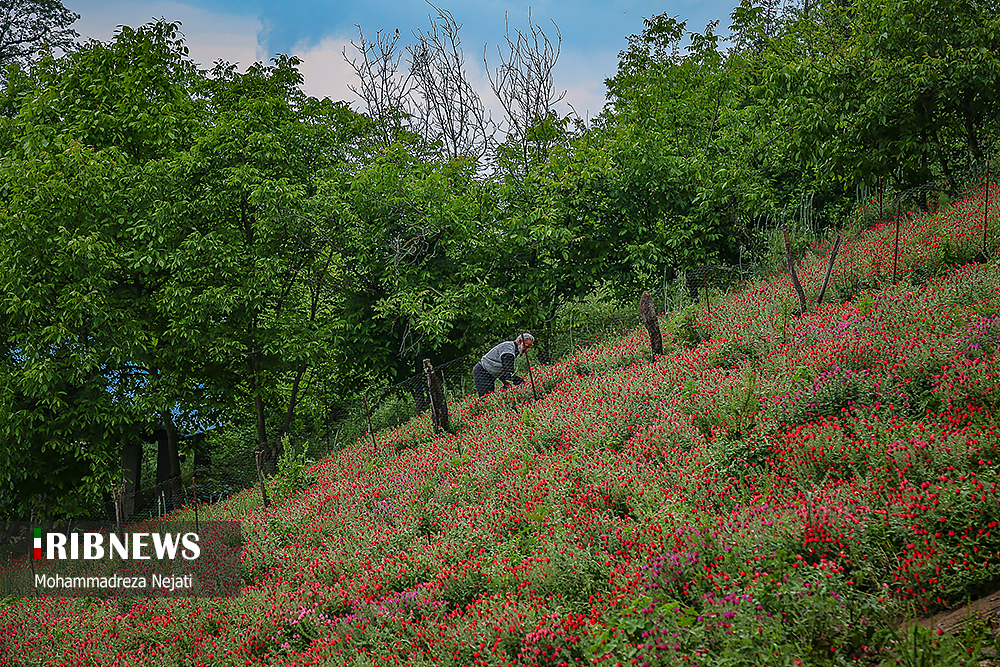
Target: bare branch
[524,85]
[447,107]
[386,92]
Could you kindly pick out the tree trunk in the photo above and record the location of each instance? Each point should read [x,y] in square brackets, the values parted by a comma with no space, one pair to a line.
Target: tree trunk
[132,467]
[313,311]
[292,400]
[971,136]
[790,261]
[945,167]
[168,466]
[269,455]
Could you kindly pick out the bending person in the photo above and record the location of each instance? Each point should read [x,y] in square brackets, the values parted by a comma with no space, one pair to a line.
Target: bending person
[498,364]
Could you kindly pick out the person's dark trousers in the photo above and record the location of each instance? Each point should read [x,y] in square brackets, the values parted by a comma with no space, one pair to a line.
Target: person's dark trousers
[485,383]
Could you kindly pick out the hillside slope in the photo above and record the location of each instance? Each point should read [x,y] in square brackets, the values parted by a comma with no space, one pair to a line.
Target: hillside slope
[774,490]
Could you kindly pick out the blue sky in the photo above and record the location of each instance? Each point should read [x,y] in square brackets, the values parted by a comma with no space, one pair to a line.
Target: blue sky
[593,33]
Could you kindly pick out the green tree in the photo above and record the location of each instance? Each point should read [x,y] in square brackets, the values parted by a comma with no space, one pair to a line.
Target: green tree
[252,285]
[674,130]
[167,257]
[133,93]
[425,275]
[905,89]
[67,377]
[81,373]
[560,229]
[29,26]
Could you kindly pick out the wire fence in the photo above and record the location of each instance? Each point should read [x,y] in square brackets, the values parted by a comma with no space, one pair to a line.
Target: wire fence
[876,201]
[387,406]
[378,408]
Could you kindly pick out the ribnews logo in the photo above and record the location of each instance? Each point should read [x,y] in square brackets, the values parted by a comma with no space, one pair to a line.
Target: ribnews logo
[173,559]
[141,546]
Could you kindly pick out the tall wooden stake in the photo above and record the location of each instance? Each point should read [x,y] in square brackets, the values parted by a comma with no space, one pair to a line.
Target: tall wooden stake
[28,545]
[790,261]
[895,252]
[986,204]
[259,459]
[194,493]
[665,281]
[647,313]
[741,271]
[881,211]
[31,561]
[704,283]
[534,391]
[439,406]
[829,270]
[118,492]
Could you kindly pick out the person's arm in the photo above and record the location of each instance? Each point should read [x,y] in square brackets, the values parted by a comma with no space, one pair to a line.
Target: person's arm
[508,368]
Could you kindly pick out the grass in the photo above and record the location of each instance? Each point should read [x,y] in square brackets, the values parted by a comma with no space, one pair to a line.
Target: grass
[774,491]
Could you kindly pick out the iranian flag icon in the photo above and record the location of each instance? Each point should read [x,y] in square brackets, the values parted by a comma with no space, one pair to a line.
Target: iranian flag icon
[38,543]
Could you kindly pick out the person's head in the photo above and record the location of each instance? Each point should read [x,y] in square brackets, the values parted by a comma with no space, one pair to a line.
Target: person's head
[524,342]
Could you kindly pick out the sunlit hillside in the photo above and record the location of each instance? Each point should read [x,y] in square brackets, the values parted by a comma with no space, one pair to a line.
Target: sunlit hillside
[775,490]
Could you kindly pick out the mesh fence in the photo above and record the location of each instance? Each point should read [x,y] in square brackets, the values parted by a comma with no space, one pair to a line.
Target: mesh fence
[400,402]
[874,202]
[378,408]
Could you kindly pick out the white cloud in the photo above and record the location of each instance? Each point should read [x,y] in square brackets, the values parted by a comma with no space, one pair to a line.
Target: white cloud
[326,73]
[582,75]
[209,36]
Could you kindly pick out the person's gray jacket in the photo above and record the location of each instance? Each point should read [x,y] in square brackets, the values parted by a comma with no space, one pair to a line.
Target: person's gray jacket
[499,362]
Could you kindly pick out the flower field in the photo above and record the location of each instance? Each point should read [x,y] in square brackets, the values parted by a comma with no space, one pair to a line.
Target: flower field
[775,490]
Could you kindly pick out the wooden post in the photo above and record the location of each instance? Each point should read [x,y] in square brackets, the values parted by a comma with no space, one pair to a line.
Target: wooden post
[895,252]
[741,266]
[534,392]
[829,270]
[439,406]
[986,204]
[647,312]
[368,412]
[259,458]
[118,492]
[28,544]
[665,282]
[162,464]
[790,261]
[132,467]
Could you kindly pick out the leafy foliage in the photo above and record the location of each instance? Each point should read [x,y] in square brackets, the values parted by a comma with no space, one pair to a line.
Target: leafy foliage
[29,26]
[890,89]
